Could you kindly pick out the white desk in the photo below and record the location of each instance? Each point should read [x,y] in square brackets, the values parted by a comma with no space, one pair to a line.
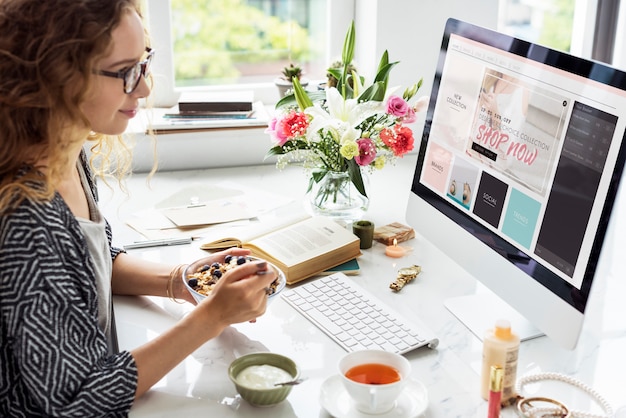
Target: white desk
[450,372]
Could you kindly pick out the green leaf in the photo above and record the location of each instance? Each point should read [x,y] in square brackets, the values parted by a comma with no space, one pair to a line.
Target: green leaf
[318,175]
[310,185]
[354,170]
[375,92]
[277,150]
[317,96]
[288,100]
[384,71]
[304,101]
[383,74]
[335,72]
[384,61]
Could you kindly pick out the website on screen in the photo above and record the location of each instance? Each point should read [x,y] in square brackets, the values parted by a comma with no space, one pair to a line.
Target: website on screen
[522,147]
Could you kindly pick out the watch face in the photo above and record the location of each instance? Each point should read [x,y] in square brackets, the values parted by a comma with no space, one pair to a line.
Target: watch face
[409,271]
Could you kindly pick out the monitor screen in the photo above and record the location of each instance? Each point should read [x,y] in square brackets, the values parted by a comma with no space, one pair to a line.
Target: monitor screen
[518,170]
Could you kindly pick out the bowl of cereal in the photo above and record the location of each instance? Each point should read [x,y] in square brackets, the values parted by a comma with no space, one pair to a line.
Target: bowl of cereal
[200,277]
[256,376]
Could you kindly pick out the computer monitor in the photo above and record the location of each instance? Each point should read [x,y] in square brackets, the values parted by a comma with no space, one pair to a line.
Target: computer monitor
[517,174]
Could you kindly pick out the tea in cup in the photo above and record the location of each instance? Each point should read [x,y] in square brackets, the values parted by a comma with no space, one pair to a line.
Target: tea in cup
[374,379]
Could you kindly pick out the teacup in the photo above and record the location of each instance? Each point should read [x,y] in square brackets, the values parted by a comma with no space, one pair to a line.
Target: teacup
[374,379]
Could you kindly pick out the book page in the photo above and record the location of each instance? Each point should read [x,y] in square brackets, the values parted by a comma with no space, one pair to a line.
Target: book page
[305,240]
[254,228]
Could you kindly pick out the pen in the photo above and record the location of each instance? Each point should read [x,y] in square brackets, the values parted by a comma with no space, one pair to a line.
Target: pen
[157,243]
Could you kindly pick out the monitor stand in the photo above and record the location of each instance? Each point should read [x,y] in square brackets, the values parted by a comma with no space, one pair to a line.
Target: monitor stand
[479,313]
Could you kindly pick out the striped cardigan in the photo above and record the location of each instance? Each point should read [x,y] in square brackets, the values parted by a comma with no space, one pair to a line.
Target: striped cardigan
[54,358]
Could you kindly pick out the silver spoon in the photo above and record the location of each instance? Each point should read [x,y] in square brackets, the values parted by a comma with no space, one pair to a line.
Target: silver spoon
[291,382]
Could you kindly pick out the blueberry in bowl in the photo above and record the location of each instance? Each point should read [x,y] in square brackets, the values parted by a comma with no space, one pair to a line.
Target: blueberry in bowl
[200,278]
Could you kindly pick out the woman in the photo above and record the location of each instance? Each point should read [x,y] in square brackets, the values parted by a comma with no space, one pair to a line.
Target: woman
[72,74]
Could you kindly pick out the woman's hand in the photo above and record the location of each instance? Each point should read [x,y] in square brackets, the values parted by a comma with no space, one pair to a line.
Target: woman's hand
[240,294]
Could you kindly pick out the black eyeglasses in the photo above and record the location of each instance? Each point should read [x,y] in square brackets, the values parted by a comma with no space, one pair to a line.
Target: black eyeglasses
[131,75]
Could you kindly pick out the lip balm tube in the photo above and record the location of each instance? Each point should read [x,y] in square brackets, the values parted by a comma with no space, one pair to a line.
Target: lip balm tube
[495,391]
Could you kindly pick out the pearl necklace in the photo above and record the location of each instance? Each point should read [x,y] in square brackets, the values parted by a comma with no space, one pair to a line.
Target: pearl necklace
[557,409]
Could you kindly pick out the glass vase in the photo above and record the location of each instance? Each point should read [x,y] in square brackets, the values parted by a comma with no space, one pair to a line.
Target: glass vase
[335,196]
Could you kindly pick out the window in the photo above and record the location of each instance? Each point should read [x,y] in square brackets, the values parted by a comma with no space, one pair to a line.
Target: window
[245,41]
[241,43]
[546,22]
[586,29]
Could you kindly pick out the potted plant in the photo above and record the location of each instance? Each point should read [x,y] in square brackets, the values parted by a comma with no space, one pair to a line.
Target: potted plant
[335,70]
[284,82]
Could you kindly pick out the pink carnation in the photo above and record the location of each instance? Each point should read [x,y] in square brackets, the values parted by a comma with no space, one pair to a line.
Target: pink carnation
[397,106]
[274,131]
[399,139]
[367,151]
[282,129]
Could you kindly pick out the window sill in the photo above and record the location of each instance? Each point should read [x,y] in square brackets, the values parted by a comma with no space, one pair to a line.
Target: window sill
[228,145]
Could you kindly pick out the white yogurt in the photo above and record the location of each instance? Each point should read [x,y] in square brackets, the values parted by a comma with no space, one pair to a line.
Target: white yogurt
[262,376]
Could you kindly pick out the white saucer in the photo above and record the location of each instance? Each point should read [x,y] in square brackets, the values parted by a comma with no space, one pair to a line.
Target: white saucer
[412,402]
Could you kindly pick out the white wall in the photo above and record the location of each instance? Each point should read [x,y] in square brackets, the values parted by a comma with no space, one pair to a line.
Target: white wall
[411,31]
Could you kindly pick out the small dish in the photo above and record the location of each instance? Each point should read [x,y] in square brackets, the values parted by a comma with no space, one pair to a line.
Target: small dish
[334,398]
[267,396]
[192,268]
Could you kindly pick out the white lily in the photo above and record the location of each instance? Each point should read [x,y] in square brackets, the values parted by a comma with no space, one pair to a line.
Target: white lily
[342,116]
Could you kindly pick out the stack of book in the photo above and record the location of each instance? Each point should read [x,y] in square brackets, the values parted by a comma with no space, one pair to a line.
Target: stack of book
[207,110]
[220,105]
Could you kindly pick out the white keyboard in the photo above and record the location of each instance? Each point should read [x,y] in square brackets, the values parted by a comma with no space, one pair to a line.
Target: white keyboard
[355,319]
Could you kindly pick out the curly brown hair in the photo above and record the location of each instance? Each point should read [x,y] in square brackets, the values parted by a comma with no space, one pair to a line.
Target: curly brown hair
[48,50]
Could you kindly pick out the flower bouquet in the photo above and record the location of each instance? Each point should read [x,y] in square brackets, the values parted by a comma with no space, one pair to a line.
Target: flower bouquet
[335,132]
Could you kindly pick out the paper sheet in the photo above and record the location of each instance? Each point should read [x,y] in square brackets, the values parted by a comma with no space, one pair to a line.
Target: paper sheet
[165,221]
[209,213]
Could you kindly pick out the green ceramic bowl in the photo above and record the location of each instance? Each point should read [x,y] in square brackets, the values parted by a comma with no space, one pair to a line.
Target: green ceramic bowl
[263,397]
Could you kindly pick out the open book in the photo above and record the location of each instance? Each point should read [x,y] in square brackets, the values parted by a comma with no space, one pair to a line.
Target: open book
[301,249]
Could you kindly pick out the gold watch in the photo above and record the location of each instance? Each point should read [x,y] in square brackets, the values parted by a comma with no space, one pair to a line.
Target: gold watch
[405,275]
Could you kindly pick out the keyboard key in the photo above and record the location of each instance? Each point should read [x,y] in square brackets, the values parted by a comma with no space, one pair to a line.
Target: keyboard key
[322,320]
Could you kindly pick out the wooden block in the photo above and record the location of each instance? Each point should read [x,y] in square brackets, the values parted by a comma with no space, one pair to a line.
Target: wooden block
[386,234]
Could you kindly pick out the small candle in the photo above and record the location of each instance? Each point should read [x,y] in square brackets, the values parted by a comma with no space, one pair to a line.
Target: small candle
[395,250]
